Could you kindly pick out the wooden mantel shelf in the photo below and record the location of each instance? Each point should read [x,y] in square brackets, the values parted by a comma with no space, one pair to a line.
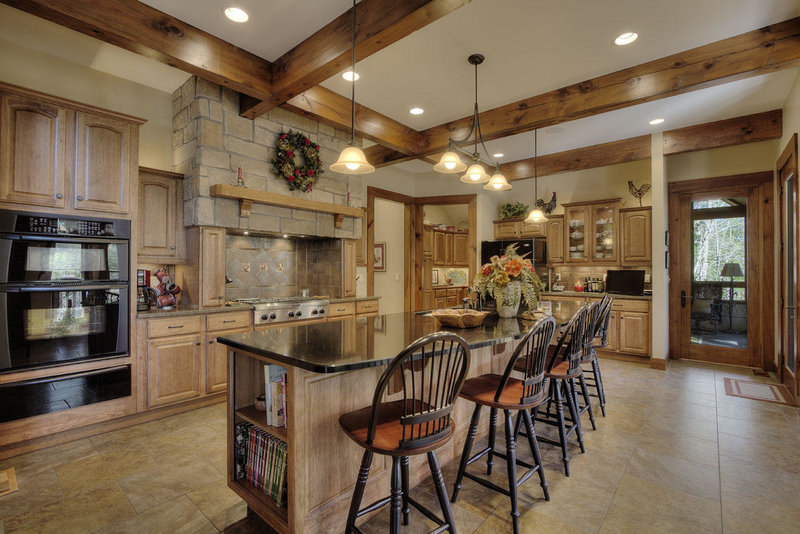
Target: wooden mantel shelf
[247,197]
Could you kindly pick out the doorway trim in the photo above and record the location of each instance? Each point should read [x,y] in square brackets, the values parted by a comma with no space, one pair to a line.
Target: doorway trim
[762,340]
[785,165]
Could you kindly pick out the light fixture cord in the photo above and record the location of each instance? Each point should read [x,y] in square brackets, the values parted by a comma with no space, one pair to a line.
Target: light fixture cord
[353,84]
[535,167]
[475,111]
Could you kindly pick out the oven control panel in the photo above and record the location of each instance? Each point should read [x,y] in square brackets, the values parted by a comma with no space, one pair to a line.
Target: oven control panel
[61,226]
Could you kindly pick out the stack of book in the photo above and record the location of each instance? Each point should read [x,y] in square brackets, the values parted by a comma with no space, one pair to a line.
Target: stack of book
[275,394]
[261,459]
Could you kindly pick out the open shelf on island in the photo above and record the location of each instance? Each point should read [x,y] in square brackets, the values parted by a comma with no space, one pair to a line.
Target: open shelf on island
[259,418]
[263,505]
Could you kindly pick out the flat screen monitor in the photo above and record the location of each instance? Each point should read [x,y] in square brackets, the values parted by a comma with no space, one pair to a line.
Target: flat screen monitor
[626,282]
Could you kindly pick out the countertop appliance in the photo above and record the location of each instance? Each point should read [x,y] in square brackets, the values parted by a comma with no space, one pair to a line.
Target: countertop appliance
[286,309]
[625,282]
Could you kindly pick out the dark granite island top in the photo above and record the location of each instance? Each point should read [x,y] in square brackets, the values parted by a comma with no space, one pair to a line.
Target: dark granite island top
[361,342]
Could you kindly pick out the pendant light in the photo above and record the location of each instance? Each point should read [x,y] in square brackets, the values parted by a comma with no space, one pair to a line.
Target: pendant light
[451,163]
[352,159]
[536,215]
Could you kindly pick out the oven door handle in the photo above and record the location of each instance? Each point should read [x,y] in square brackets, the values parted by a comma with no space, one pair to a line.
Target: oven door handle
[62,238]
[76,287]
[51,378]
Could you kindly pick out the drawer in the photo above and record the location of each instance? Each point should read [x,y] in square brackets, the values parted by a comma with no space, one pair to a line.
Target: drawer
[453,292]
[342,308]
[186,324]
[631,305]
[225,321]
[440,293]
[367,306]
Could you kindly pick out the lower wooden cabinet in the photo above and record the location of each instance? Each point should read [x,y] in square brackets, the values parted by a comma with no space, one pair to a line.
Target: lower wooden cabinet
[217,360]
[174,366]
[634,332]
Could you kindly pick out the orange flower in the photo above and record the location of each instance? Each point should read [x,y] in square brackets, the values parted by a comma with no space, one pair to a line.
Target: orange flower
[527,264]
[513,267]
[486,269]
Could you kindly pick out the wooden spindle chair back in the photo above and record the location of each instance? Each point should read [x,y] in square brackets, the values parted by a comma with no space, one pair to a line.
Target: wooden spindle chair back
[530,358]
[592,322]
[570,344]
[437,365]
[604,320]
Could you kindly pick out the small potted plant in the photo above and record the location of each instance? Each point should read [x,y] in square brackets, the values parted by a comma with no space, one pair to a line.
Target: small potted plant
[514,210]
[508,279]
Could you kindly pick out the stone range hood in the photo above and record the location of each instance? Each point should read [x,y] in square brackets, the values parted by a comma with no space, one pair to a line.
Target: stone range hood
[211,141]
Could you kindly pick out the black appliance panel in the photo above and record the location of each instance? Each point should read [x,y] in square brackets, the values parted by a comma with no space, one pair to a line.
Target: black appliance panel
[625,282]
[534,249]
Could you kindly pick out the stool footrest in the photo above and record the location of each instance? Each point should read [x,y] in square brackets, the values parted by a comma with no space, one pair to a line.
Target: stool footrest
[478,455]
[380,503]
[426,512]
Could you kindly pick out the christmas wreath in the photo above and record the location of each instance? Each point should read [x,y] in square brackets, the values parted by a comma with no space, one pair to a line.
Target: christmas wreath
[288,146]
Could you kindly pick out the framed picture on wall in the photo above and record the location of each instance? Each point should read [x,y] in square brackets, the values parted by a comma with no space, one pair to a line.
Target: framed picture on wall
[379,256]
[435,276]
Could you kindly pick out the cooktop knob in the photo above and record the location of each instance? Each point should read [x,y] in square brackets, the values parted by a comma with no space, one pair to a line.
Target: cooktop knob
[273,316]
[314,312]
[264,317]
[291,314]
[298,314]
[321,312]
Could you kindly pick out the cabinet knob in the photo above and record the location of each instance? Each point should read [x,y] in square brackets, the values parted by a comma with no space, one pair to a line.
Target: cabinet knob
[172,247]
[198,343]
[211,342]
[79,197]
[59,195]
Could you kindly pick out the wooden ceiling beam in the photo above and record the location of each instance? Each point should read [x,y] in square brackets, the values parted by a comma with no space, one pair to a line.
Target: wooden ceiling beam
[729,132]
[149,32]
[329,51]
[768,49]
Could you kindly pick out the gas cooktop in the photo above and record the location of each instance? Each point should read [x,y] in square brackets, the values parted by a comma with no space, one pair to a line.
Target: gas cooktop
[285,309]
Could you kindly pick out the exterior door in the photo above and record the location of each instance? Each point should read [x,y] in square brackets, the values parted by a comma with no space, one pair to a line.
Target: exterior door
[787,173]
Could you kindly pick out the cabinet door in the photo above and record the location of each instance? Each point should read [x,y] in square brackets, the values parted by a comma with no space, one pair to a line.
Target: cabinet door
[427,241]
[348,268]
[636,237]
[604,239]
[361,244]
[32,152]
[505,229]
[427,273]
[173,369]
[212,267]
[160,218]
[461,249]
[613,332]
[438,248]
[103,154]
[532,229]
[217,361]
[577,226]
[634,332]
[448,249]
[555,240]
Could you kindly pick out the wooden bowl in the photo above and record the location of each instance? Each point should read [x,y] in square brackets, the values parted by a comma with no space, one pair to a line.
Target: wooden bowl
[460,318]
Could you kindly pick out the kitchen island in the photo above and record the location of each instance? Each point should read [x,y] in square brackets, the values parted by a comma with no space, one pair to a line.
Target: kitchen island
[333,368]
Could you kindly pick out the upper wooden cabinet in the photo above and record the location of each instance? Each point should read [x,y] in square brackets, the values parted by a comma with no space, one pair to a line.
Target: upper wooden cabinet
[161,233]
[636,236]
[518,228]
[439,257]
[361,244]
[449,247]
[348,268]
[555,239]
[427,241]
[203,277]
[591,231]
[53,149]
[32,151]
[461,249]
[604,233]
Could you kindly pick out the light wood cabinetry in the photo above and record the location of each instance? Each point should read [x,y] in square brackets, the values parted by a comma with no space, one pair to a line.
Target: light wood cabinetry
[461,249]
[361,245]
[348,268]
[52,149]
[448,297]
[217,360]
[360,308]
[576,228]
[203,276]
[439,244]
[636,236]
[613,332]
[427,241]
[604,233]
[341,309]
[555,239]
[518,228]
[161,233]
[634,332]
[367,307]
[174,365]
[591,232]
[448,247]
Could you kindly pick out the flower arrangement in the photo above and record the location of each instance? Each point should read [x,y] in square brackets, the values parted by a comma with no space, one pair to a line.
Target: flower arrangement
[287,146]
[495,276]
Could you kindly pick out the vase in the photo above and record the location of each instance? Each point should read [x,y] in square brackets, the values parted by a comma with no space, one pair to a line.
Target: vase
[512,295]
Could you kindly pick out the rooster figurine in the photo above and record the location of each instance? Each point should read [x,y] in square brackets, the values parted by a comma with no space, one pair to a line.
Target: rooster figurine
[549,207]
[638,192]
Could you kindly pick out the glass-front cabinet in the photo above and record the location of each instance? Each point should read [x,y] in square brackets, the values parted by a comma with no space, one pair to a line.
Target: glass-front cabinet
[577,227]
[592,231]
[604,233]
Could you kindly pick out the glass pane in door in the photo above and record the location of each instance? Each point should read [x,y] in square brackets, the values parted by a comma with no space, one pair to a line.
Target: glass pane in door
[790,273]
[719,283]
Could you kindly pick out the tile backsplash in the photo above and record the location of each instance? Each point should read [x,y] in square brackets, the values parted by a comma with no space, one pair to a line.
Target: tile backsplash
[268,267]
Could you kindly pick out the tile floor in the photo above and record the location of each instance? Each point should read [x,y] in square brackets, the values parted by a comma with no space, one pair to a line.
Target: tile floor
[675,454]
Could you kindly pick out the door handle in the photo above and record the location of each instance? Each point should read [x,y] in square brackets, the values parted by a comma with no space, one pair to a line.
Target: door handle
[683,299]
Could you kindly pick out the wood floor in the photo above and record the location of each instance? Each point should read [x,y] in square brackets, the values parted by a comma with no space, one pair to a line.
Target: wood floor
[675,454]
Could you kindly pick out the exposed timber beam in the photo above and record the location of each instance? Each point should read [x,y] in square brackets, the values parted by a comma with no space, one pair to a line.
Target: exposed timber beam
[767,49]
[728,132]
[152,33]
[328,51]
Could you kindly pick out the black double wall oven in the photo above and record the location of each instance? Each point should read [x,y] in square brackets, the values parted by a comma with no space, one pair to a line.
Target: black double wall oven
[64,294]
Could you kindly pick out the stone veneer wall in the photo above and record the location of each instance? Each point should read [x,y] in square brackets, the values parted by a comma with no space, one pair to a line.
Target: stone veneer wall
[211,141]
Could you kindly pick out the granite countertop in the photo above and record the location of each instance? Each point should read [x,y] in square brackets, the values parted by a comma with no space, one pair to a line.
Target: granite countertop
[587,294]
[448,286]
[321,347]
[157,312]
[352,299]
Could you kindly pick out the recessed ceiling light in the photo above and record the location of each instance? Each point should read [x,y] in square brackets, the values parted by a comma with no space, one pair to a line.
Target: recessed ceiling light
[655,121]
[498,155]
[626,38]
[236,14]
[416,111]
[246,232]
[350,76]
[285,236]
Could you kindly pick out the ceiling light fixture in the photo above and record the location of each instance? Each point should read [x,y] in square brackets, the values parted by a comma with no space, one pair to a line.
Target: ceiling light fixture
[352,159]
[416,111]
[655,121]
[236,14]
[350,75]
[451,163]
[536,215]
[498,155]
[626,38]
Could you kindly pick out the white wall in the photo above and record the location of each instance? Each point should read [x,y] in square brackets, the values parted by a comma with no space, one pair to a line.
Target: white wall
[389,227]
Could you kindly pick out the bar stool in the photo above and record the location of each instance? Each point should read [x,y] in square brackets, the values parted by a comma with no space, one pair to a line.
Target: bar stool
[587,351]
[420,423]
[507,394]
[562,370]
[601,333]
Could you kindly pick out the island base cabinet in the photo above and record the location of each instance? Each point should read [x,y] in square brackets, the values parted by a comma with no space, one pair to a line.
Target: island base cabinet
[174,366]
[217,361]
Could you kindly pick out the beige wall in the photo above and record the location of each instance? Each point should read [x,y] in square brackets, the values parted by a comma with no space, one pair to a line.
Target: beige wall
[447,214]
[739,159]
[389,228]
[791,116]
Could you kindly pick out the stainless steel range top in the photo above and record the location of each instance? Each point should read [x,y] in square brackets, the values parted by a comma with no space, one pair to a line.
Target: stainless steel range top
[287,309]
